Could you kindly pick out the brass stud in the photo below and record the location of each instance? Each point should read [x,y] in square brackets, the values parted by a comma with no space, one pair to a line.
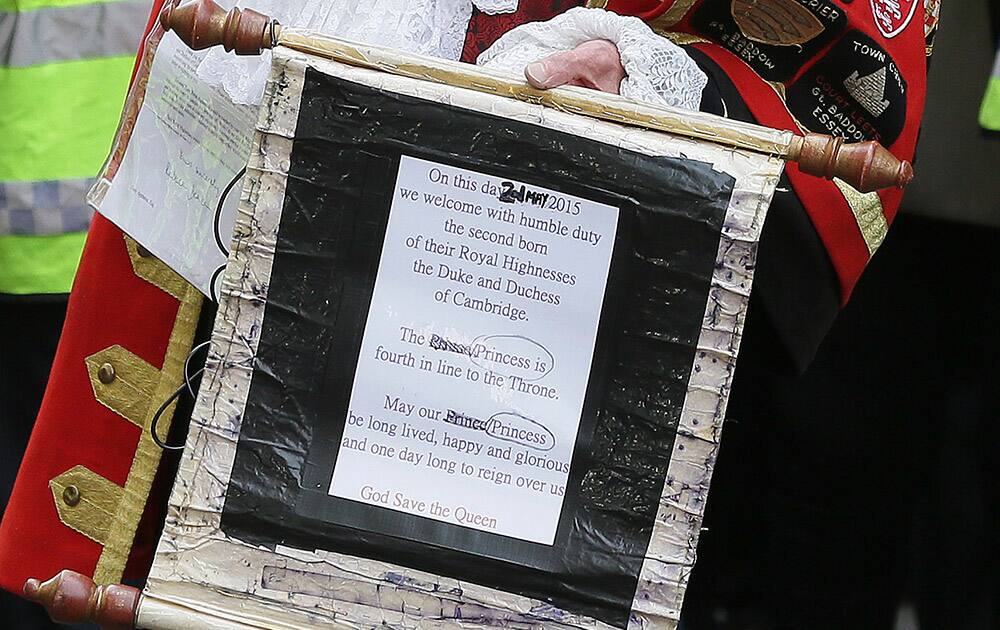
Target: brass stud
[71,496]
[106,374]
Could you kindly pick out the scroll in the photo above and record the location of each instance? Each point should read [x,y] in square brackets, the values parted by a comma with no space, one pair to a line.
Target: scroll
[470,364]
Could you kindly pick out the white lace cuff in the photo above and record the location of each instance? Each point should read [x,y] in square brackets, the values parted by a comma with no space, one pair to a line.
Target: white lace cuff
[657,70]
[495,6]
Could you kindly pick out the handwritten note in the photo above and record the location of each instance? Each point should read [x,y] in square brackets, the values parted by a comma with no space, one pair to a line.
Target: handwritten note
[477,351]
[190,142]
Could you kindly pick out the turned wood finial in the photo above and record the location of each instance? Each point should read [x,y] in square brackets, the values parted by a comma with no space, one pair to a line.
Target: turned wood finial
[867,166]
[202,24]
[73,598]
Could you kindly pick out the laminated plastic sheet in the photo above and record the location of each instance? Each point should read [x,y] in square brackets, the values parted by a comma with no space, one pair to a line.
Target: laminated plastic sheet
[261,532]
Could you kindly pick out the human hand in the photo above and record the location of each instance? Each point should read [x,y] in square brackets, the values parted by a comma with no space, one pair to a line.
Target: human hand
[595,64]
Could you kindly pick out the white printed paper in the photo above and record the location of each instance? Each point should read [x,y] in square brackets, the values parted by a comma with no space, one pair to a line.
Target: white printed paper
[477,351]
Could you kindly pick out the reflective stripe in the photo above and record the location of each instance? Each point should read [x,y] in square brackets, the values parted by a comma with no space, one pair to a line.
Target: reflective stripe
[58,120]
[33,265]
[47,35]
[52,207]
[33,5]
[989,113]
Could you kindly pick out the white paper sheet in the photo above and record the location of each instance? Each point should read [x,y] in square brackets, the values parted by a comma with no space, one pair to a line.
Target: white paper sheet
[508,279]
[190,142]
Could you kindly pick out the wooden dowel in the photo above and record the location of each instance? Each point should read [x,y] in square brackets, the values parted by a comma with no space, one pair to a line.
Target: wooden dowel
[867,166]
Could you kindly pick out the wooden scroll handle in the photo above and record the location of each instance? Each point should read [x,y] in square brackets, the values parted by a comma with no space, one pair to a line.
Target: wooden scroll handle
[867,166]
[73,598]
[202,24]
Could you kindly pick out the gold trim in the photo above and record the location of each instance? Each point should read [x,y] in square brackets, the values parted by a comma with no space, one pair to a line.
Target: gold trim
[99,500]
[135,390]
[681,39]
[154,271]
[597,4]
[672,16]
[121,532]
[868,212]
[128,394]
[780,89]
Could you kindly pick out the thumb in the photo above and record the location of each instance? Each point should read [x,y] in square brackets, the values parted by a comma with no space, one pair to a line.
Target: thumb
[555,70]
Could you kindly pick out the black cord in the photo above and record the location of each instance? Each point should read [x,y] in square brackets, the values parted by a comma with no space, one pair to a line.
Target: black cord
[156,420]
[211,284]
[187,365]
[186,385]
[221,244]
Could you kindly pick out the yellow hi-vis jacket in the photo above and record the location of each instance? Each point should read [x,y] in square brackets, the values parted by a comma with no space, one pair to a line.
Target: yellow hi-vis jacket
[64,71]
[989,113]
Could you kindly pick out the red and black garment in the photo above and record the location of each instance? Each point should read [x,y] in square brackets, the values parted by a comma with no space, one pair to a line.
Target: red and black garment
[855,69]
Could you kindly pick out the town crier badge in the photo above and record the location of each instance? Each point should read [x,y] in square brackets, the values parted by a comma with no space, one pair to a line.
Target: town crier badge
[892,16]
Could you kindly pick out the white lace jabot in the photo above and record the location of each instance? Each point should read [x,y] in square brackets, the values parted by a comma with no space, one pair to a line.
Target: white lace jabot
[657,71]
[427,27]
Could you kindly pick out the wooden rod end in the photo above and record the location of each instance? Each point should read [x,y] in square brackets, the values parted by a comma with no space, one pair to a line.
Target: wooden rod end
[74,598]
[867,166]
[202,24]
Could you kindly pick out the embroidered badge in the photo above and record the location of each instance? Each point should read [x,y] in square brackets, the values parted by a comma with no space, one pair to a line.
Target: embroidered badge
[856,92]
[775,37]
[892,16]
[932,9]
[777,22]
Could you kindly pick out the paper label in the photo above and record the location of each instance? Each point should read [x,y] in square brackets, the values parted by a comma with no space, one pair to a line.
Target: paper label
[477,351]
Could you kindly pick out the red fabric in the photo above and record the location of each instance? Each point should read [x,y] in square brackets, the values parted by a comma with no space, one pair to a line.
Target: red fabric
[109,306]
[644,9]
[829,212]
[831,216]
[484,29]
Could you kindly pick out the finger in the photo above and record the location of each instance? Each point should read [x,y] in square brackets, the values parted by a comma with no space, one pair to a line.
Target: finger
[595,64]
[553,71]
